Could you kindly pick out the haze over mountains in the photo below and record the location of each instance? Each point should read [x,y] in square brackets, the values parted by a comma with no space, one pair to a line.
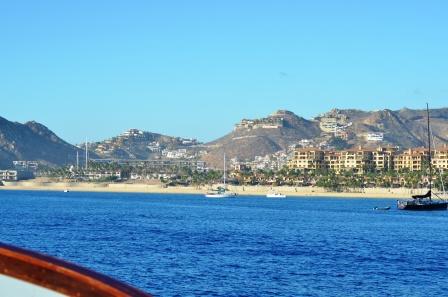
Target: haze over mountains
[249,138]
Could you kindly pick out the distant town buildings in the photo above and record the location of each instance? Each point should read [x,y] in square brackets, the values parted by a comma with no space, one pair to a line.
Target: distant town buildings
[132,133]
[138,142]
[188,141]
[26,165]
[9,175]
[15,175]
[154,147]
[375,136]
[306,142]
[273,162]
[334,122]
[150,176]
[99,175]
[156,165]
[22,170]
[275,121]
[175,154]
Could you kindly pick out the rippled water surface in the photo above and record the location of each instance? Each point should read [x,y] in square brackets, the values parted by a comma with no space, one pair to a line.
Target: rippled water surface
[187,245]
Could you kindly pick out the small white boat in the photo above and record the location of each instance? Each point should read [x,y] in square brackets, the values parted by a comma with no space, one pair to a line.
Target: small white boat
[275,195]
[66,191]
[381,208]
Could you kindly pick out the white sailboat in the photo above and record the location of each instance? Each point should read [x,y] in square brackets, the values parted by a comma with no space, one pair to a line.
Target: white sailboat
[221,192]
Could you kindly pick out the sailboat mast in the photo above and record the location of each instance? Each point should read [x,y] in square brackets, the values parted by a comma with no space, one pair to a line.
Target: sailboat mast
[429,155]
[224,170]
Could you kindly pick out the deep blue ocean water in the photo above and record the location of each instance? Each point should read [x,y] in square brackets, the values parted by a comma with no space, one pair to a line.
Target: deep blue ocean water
[187,245]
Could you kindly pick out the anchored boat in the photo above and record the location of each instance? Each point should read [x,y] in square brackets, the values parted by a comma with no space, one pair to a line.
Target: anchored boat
[221,192]
[426,201]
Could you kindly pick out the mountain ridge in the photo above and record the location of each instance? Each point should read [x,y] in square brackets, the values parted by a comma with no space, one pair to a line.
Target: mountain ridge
[32,141]
[249,138]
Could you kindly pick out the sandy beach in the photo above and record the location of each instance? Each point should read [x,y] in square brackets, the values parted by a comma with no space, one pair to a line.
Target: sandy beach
[240,190]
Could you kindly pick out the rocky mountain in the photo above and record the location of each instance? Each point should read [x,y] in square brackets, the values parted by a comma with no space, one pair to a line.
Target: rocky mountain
[249,138]
[404,128]
[260,137]
[32,141]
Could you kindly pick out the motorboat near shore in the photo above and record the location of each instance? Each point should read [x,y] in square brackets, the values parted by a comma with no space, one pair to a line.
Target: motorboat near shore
[27,273]
[275,195]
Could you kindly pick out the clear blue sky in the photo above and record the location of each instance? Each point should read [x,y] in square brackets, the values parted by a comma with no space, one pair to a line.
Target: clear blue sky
[194,68]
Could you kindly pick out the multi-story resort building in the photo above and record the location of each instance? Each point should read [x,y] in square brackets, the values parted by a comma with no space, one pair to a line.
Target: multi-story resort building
[333,161]
[307,158]
[383,158]
[411,159]
[358,160]
[440,158]
[361,160]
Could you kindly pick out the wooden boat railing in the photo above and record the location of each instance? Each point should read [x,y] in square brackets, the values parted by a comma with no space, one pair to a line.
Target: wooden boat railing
[60,276]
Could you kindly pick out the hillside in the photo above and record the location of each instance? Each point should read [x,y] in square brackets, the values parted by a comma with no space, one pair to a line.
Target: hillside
[404,128]
[260,137]
[141,145]
[250,138]
[32,141]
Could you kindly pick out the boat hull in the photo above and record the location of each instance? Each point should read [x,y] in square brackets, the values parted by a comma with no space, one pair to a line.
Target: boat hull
[404,205]
[275,196]
[27,273]
[232,195]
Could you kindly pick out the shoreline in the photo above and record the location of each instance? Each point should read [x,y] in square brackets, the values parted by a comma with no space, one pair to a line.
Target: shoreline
[395,193]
